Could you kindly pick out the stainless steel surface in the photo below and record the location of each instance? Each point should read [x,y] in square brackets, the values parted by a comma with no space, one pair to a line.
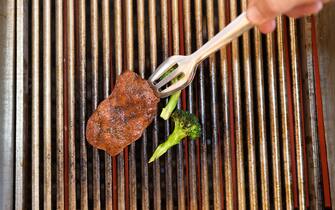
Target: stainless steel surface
[35,112]
[47,103]
[176,49]
[227,145]
[237,99]
[284,112]
[257,99]
[192,176]
[95,93]
[298,120]
[118,70]
[82,105]
[250,136]
[106,89]
[153,64]
[59,105]
[216,152]
[204,180]
[7,108]
[274,125]
[307,77]
[21,117]
[141,67]
[185,66]
[70,56]
[263,144]
[130,66]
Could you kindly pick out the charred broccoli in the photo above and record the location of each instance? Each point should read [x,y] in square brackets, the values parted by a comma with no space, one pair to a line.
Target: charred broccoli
[185,124]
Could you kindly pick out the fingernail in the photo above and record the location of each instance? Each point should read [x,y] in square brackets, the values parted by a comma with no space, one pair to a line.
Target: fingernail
[254,15]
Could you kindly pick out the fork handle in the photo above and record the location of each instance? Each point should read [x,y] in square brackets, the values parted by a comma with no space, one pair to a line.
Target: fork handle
[232,31]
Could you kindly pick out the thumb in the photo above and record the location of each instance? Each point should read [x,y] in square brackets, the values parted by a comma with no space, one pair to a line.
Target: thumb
[259,12]
[268,27]
[262,11]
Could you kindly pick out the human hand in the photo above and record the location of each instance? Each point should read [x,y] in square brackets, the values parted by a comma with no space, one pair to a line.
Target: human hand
[263,12]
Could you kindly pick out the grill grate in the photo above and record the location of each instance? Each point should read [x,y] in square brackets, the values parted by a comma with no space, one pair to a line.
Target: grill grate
[255,99]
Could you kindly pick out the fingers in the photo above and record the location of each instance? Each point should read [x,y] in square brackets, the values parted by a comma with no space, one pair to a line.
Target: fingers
[261,11]
[299,11]
[256,16]
[268,27]
[305,10]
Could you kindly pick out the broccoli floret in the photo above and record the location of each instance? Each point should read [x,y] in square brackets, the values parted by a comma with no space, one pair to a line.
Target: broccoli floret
[185,124]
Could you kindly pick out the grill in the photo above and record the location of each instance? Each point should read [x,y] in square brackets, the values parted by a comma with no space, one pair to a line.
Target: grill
[258,101]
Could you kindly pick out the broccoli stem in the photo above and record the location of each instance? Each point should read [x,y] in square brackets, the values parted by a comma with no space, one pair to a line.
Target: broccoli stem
[173,139]
[170,106]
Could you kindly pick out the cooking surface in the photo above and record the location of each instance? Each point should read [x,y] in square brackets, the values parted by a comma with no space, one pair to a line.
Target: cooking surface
[255,100]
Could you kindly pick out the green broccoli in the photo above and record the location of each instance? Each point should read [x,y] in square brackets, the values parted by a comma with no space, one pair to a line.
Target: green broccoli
[173,100]
[185,124]
[170,106]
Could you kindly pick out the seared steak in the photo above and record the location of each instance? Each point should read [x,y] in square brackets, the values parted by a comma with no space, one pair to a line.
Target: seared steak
[121,119]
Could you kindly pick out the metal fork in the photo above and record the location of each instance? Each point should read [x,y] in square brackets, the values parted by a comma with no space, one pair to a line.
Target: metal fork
[183,68]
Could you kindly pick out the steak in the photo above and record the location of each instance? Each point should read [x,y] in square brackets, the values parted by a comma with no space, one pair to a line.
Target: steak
[121,119]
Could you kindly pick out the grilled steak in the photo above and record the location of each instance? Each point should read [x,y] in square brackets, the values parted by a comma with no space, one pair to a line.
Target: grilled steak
[121,119]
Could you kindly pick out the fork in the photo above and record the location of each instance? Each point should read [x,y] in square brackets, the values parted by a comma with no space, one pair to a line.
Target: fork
[182,69]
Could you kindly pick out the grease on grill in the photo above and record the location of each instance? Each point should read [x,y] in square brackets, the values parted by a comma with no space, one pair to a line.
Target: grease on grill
[121,119]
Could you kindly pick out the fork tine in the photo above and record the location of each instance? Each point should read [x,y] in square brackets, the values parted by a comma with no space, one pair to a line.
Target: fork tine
[168,78]
[164,67]
[180,84]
